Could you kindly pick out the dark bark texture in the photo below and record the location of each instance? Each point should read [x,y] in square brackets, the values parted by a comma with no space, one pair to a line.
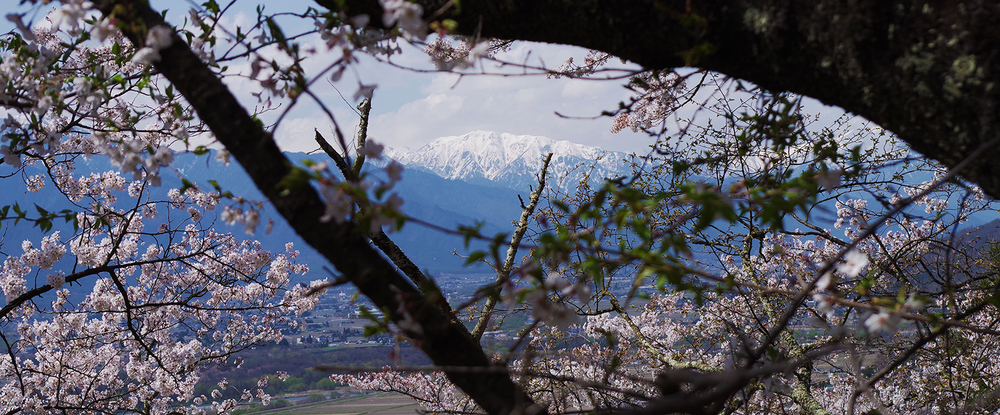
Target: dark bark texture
[925,70]
[447,344]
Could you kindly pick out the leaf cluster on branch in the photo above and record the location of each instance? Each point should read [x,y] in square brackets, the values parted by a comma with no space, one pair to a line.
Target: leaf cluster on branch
[758,262]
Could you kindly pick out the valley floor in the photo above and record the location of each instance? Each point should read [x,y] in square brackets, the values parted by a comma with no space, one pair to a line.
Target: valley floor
[384,403]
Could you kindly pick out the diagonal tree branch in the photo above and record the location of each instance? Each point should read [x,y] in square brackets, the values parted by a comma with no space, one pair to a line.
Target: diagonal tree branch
[345,169]
[366,109]
[503,273]
[379,238]
[346,248]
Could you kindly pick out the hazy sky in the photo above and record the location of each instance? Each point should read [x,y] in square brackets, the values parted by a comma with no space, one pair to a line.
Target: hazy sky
[411,107]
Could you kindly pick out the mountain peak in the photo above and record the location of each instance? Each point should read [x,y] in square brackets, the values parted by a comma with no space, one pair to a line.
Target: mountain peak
[509,160]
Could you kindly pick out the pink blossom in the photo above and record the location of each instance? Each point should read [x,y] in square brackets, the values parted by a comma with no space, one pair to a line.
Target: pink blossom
[825,281]
[913,304]
[103,30]
[223,156]
[854,262]
[394,170]
[883,321]
[372,149]
[824,303]
[407,15]
[829,179]
[338,205]
[159,37]
[146,56]
[364,91]
[71,13]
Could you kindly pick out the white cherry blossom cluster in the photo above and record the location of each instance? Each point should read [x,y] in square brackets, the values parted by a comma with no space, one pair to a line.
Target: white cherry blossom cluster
[248,216]
[157,38]
[433,390]
[930,203]
[30,74]
[234,274]
[102,189]
[406,15]
[450,54]
[194,197]
[652,321]
[587,363]
[656,99]
[137,157]
[854,213]
[594,60]
[70,14]
[909,236]
[137,274]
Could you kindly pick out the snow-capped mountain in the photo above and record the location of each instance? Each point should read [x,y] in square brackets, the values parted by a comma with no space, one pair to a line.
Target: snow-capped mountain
[512,161]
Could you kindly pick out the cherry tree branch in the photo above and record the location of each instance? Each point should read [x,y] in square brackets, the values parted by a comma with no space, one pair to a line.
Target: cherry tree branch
[344,246]
[503,273]
[875,58]
[775,331]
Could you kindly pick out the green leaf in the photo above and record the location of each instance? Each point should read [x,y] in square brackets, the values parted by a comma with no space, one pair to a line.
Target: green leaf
[211,6]
[185,184]
[258,121]
[276,32]
[296,179]
[695,54]
[373,329]
[616,361]
[366,314]
[475,257]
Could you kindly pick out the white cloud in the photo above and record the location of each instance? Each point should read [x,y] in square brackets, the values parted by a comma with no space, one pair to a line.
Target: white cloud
[452,104]
[412,107]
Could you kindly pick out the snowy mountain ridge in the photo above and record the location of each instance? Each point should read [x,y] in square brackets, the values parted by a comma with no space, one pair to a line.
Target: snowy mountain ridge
[512,161]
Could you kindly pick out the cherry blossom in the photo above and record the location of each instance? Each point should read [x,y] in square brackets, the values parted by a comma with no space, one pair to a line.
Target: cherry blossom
[394,170]
[407,15]
[364,91]
[882,321]
[709,330]
[147,261]
[371,148]
[96,302]
[854,262]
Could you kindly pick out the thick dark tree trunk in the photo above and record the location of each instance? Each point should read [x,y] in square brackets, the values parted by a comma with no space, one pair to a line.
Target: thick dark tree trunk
[925,70]
[448,344]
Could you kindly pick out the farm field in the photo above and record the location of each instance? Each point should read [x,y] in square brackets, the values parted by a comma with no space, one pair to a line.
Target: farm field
[380,404]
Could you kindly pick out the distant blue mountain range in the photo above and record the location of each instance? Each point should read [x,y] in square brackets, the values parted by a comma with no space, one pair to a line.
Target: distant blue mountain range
[484,188]
[443,202]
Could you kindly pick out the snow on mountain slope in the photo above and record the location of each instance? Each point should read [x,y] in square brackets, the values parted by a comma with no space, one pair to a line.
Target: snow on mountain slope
[507,160]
